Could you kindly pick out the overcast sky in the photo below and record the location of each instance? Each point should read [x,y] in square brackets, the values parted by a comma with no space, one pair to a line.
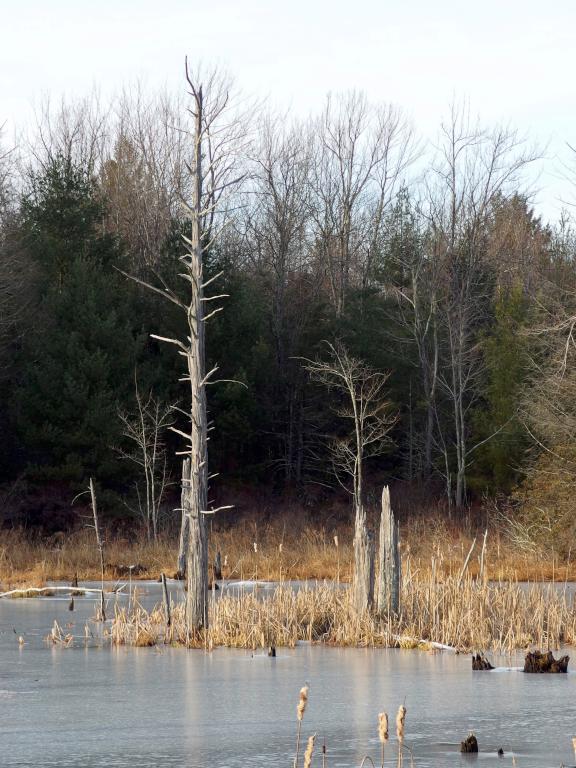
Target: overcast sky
[514,60]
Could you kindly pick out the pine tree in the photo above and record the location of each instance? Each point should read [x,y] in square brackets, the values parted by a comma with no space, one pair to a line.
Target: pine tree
[78,359]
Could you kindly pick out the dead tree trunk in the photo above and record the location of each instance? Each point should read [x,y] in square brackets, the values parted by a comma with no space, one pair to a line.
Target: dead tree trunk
[195,489]
[371,421]
[218,567]
[363,583]
[100,545]
[184,531]
[209,184]
[166,601]
[388,593]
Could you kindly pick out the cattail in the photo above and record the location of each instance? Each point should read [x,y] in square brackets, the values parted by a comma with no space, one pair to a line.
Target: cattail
[336,541]
[382,733]
[309,751]
[400,717]
[303,702]
[574,745]
[383,727]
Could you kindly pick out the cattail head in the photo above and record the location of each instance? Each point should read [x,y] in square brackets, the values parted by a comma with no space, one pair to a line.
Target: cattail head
[303,702]
[309,751]
[400,717]
[574,745]
[383,727]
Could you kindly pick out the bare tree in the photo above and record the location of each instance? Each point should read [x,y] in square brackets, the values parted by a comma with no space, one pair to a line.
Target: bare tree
[413,279]
[79,131]
[475,168]
[145,430]
[145,177]
[545,519]
[366,412]
[277,232]
[215,137]
[361,154]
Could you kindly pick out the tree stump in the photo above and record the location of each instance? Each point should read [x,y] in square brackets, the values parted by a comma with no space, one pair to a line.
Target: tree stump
[218,567]
[480,663]
[469,745]
[363,581]
[538,662]
[389,565]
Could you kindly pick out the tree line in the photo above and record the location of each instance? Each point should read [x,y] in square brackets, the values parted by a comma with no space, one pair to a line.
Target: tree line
[426,265]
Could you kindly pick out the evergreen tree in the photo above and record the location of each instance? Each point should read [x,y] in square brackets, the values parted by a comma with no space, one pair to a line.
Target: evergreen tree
[78,359]
[505,352]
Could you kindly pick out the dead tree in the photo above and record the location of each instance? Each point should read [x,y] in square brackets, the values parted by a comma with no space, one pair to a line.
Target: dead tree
[361,154]
[183,543]
[476,167]
[362,404]
[540,662]
[389,563]
[145,430]
[214,139]
[100,545]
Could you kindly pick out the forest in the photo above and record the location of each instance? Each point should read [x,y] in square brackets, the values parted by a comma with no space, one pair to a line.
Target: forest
[342,236]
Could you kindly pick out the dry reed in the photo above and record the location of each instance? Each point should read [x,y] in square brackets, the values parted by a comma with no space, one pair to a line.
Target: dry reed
[498,616]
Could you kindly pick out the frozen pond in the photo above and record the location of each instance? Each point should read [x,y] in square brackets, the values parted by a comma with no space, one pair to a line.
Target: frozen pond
[171,707]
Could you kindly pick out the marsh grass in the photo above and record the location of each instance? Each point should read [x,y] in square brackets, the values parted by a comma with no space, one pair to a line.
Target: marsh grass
[466,616]
[288,547]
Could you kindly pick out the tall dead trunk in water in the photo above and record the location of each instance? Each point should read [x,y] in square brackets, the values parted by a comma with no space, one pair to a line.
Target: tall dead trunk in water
[389,565]
[363,581]
[216,138]
[195,488]
[363,391]
[364,562]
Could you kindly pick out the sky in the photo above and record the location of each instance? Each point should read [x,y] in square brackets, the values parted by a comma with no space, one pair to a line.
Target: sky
[512,60]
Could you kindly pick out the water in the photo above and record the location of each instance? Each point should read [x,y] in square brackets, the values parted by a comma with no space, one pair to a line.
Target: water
[171,707]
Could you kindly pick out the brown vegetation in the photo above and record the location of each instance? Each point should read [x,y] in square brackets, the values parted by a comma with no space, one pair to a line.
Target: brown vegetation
[289,546]
[463,614]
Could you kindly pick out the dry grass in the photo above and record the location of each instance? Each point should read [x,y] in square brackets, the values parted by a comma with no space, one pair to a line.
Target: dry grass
[286,548]
[468,615]
[30,562]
